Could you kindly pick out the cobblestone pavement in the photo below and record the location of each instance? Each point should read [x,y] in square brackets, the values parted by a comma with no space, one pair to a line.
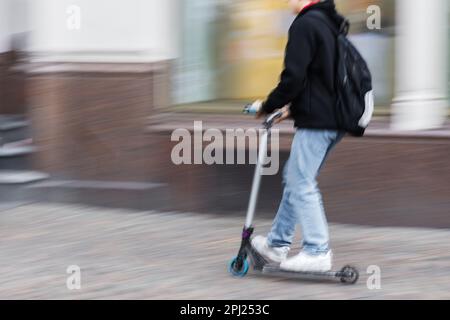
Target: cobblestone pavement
[150,255]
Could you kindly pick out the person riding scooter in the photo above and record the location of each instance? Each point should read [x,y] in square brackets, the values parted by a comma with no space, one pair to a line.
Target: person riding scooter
[307,94]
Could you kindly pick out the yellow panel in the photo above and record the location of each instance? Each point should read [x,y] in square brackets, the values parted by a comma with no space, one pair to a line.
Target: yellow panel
[256,48]
[255,79]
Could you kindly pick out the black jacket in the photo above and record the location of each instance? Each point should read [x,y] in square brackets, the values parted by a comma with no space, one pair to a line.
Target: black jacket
[307,81]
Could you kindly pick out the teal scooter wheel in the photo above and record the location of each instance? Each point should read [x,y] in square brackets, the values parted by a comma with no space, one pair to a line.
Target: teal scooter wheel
[232,268]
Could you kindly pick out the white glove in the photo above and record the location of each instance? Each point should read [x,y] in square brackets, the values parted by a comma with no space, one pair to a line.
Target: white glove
[254,107]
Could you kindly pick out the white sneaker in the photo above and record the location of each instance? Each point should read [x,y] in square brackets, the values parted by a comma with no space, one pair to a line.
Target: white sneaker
[304,262]
[259,243]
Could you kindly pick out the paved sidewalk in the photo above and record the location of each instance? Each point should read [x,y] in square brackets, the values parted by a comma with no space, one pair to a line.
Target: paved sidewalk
[150,255]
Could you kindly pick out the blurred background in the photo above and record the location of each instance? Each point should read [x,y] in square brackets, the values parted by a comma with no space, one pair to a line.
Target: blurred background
[91,91]
[235,49]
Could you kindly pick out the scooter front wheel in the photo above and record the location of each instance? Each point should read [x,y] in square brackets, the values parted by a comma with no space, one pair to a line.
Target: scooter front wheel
[236,270]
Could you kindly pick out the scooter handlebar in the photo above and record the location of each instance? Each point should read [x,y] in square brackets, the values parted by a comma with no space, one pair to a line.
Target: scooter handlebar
[268,123]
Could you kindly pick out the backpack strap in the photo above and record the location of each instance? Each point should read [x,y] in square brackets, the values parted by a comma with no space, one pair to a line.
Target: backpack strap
[322,16]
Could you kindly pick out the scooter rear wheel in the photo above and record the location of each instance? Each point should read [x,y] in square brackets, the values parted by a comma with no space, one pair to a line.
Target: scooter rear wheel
[350,275]
[235,270]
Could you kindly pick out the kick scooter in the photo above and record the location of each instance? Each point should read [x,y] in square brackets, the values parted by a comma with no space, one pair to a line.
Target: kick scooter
[239,266]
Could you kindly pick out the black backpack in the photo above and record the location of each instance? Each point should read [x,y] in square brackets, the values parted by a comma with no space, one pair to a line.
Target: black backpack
[355,102]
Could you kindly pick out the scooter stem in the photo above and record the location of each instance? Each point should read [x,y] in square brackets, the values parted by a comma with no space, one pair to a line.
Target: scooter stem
[257,179]
[268,123]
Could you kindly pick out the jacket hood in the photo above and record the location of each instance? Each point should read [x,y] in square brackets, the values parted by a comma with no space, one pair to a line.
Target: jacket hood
[329,7]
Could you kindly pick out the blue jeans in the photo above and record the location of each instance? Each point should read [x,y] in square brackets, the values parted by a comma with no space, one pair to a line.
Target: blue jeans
[302,201]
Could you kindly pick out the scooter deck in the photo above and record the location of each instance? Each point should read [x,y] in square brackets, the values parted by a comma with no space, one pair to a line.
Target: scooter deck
[274,270]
